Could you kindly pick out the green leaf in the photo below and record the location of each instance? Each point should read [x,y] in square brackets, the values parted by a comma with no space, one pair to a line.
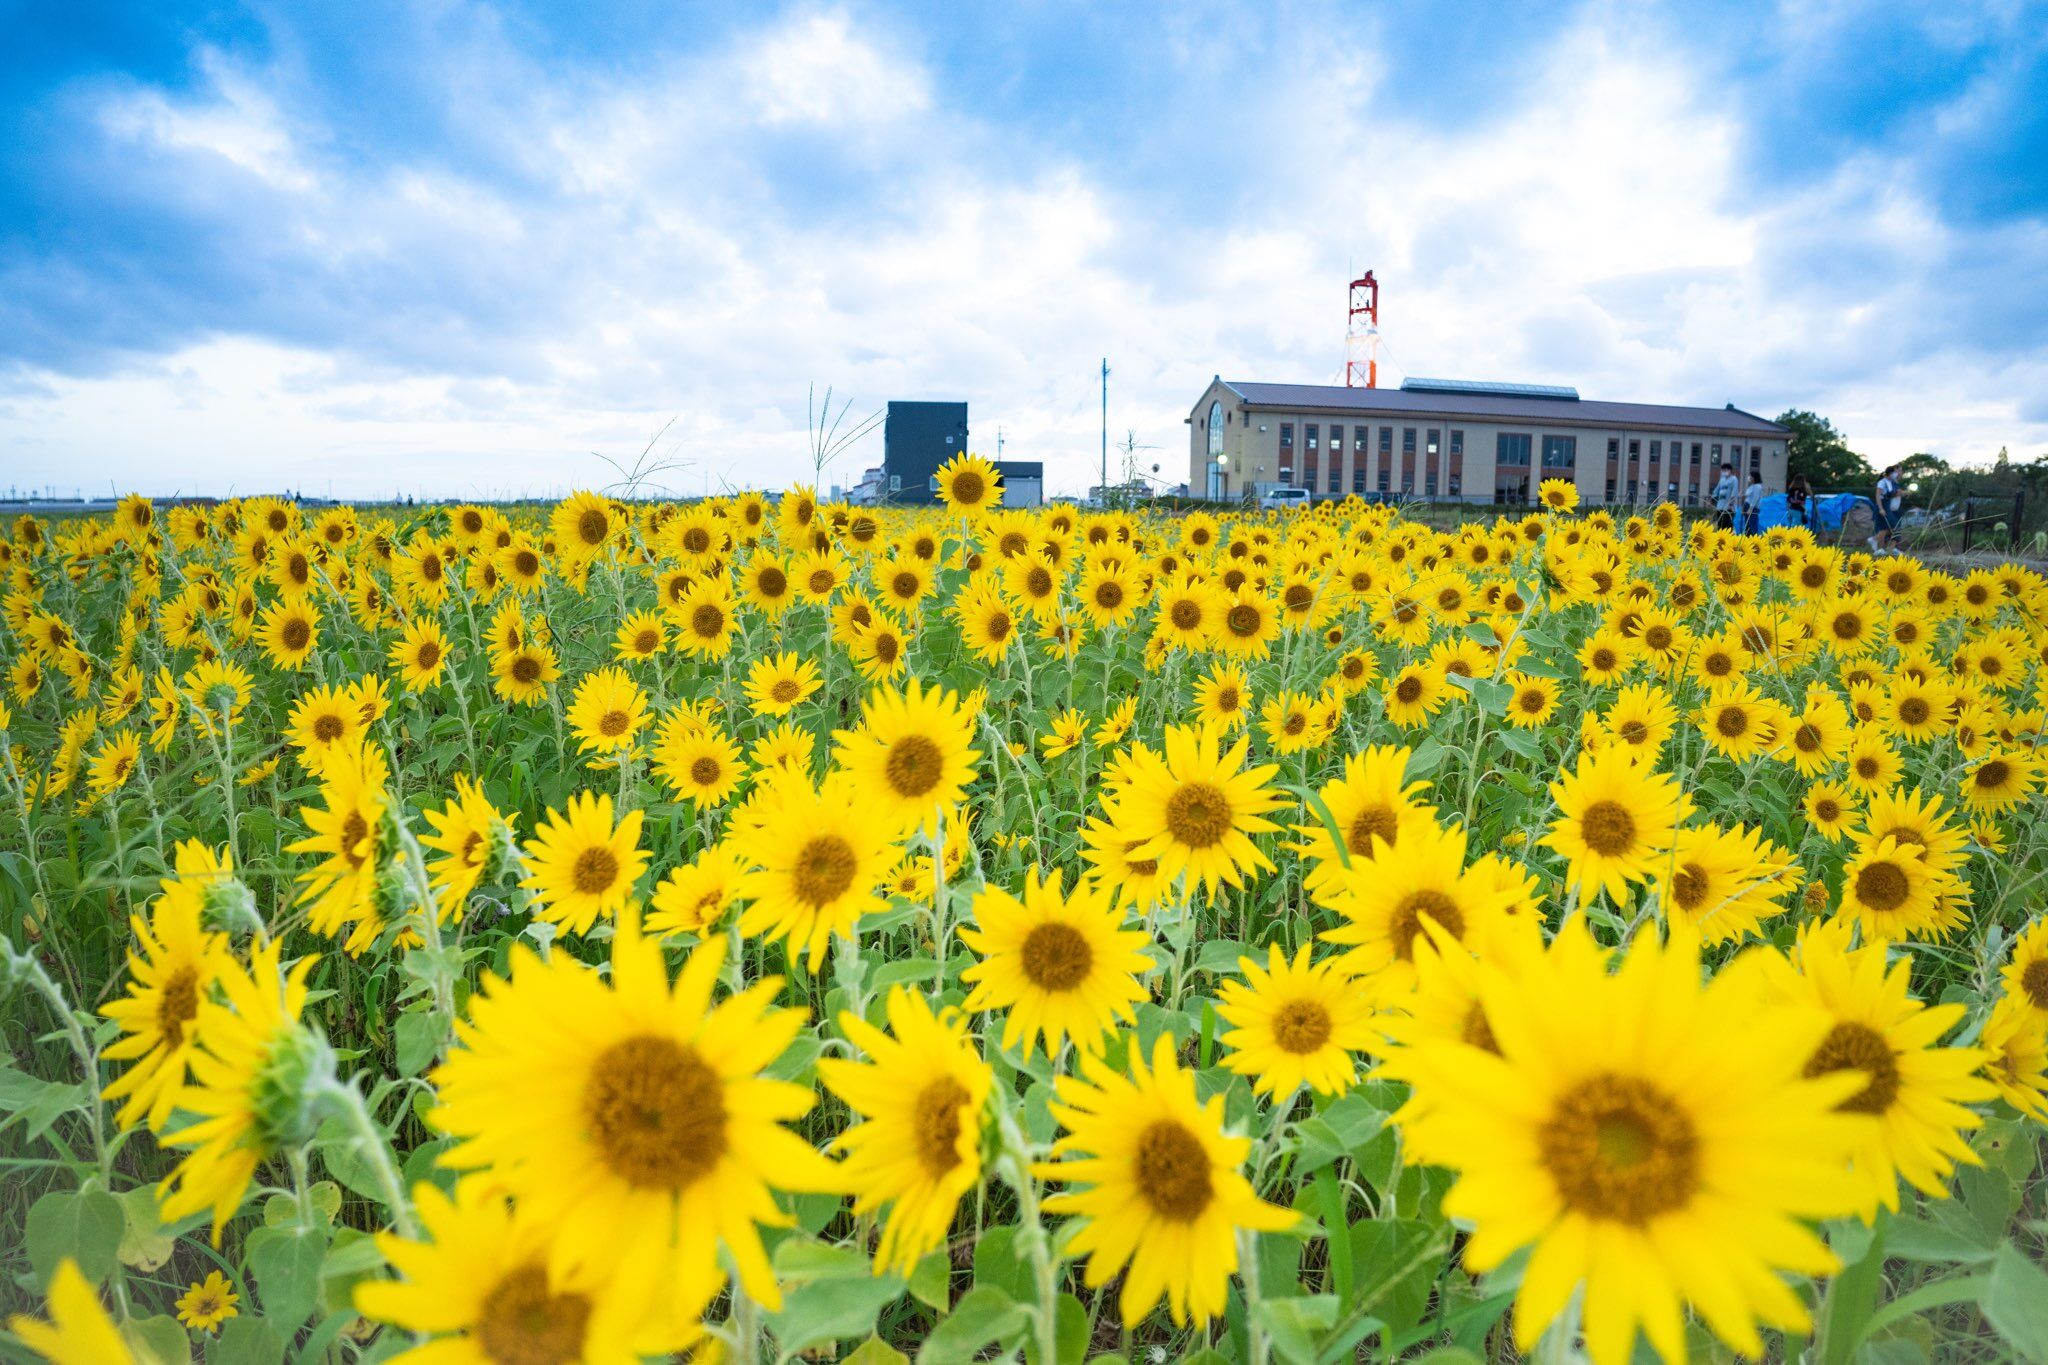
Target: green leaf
[417,1036]
[875,1351]
[247,1341]
[998,1266]
[1070,1333]
[1399,1273]
[2016,1302]
[1336,1231]
[803,1260]
[984,1315]
[145,1242]
[1851,1298]
[931,1284]
[286,1263]
[1915,1239]
[830,1310]
[904,972]
[79,1225]
[1296,1325]
[36,1103]
[159,1338]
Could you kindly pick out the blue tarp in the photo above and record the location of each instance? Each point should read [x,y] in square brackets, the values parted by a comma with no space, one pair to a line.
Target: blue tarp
[1828,512]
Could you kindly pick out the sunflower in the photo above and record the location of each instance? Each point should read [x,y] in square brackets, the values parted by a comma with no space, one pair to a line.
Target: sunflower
[878,648]
[694,897]
[1371,804]
[2015,1041]
[1920,822]
[171,969]
[1223,698]
[348,833]
[1889,889]
[79,1331]
[987,624]
[1068,731]
[2026,973]
[582,525]
[1298,1024]
[911,753]
[1914,1088]
[2001,780]
[645,1137]
[420,655]
[581,866]
[608,711]
[1723,883]
[1188,613]
[322,721]
[1288,723]
[113,763]
[1616,818]
[521,675]
[208,1303]
[1830,808]
[923,1097]
[1873,764]
[1531,700]
[473,842]
[1650,1138]
[704,618]
[818,856]
[289,633]
[1388,903]
[1196,807]
[968,483]
[1133,880]
[786,748]
[1739,721]
[1818,736]
[249,1078]
[1558,495]
[1414,694]
[1164,1193]
[699,762]
[1061,964]
[1915,711]
[1116,723]
[778,683]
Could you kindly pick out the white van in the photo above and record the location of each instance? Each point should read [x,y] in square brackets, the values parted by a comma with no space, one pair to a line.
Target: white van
[1272,498]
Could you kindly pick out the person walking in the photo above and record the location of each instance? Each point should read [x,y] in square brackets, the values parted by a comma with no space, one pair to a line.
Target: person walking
[1888,503]
[1726,494]
[1797,494]
[1753,505]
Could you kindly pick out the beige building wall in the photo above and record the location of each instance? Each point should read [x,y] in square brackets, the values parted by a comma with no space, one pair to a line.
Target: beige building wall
[1248,441]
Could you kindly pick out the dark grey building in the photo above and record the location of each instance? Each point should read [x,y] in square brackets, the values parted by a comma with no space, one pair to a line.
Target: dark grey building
[916,439]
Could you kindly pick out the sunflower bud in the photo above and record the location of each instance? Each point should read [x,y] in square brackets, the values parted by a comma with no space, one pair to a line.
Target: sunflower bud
[229,906]
[297,1070]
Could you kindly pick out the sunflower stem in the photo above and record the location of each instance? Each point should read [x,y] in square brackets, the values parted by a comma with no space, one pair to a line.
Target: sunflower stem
[374,1148]
[1016,1154]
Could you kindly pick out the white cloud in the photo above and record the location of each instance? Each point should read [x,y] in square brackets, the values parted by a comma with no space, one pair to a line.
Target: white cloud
[1595,232]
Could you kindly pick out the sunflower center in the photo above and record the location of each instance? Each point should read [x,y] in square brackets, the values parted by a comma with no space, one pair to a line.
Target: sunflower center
[1993,775]
[328,728]
[595,871]
[614,723]
[1882,886]
[1109,595]
[656,1112]
[526,669]
[1406,921]
[1608,828]
[1295,723]
[886,647]
[1298,596]
[1172,1171]
[1226,699]
[1373,822]
[914,766]
[1531,701]
[696,540]
[784,691]
[1302,1026]
[1658,638]
[1604,660]
[935,1120]
[593,526]
[1198,814]
[1408,690]
[1827,810]
[177,1004]
[296,633]
[1243,620]
[428,654]
[1057,956]
[1186,615]
[967,486]
[1620,1149]
[823,870]
[1913,711]
[522,1323]
[707,621]
[1476,1031]
[1038,583]
[1633,732]
[1806,739]
[1732,722]
[1862,1048]
[998,625]
[1689,886]
[646,642]
[1813,575]
[354,831]
[526,563]
[2034,983]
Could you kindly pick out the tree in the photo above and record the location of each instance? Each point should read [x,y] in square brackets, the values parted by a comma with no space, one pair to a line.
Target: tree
[1819,451]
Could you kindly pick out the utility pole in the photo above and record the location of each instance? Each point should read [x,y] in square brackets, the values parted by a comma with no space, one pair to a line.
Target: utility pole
[1105,428]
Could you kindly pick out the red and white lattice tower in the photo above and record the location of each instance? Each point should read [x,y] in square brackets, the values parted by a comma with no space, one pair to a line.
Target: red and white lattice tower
[1362,336]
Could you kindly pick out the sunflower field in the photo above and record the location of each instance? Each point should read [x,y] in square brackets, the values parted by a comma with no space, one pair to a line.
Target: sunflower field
[761,929]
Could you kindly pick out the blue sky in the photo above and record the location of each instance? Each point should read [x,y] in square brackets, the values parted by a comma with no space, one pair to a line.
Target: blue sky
[473,249]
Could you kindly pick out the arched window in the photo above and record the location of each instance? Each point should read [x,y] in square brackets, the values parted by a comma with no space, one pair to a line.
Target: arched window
[1215,428]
